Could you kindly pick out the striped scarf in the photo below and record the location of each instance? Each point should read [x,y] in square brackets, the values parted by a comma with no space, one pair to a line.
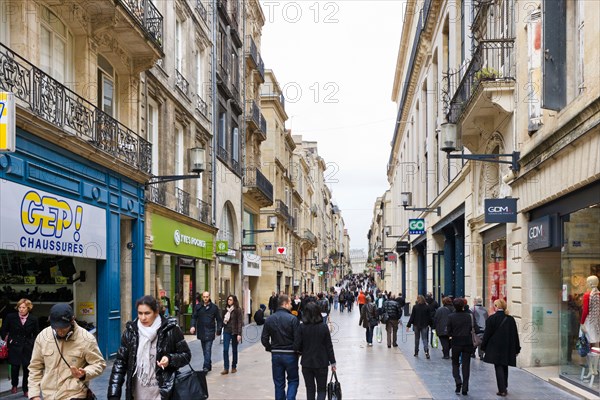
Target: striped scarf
[595,308]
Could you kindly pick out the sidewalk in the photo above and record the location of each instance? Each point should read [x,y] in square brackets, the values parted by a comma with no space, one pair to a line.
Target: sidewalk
[365,372]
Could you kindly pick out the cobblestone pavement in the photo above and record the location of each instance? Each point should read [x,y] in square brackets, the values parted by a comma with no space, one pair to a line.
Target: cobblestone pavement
[364,372]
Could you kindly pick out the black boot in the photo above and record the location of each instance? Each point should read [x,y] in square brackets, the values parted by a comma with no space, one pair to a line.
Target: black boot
[458,388]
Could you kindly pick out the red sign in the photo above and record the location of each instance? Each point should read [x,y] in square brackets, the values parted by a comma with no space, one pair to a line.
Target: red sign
[281,250]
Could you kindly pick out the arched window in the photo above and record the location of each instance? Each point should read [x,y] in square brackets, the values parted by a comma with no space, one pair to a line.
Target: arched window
[226,230]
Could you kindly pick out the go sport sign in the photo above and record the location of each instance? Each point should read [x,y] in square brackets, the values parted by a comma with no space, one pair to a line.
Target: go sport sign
[416,226]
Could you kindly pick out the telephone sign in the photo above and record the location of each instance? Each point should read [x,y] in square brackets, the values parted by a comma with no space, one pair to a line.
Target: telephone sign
[416,226]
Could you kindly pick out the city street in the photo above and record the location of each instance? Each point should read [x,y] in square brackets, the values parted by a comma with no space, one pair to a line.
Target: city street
[364,372]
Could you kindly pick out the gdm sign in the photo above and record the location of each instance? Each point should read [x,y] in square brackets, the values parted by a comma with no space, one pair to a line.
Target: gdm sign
[416,226]
[500,210]
[539,234]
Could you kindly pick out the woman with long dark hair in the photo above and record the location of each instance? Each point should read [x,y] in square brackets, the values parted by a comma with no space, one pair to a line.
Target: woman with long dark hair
[460,324]
[152,350]
[232,332]
[368,319]
[313,341]
[22,328]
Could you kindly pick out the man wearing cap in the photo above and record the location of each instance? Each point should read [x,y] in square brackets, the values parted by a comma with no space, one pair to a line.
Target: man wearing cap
[49,374]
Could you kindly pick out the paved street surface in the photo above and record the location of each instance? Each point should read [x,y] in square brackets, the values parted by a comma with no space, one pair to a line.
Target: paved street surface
[365,372]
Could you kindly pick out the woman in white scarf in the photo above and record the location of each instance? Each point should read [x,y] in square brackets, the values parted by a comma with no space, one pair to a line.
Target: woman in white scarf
[152,349]
[232,332]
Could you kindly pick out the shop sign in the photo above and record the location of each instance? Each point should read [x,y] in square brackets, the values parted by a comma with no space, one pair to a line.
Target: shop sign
[86,308]
[389,256]
[416,226]
[402,247]
[177,238]
[500,210]
[248,247]
[36,221]
[252,264]
[7,122]
[222,247]
[539,235]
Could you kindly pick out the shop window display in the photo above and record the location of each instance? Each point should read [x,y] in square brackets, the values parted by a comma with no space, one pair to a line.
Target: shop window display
[580,301]
[495,273]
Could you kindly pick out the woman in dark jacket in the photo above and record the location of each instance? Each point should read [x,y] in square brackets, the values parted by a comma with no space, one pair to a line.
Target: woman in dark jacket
[368,319]
[422,319]
[460,323]
[440,323]
[22,328]
[233,322]
[313,341]
[501,344]
[152,350]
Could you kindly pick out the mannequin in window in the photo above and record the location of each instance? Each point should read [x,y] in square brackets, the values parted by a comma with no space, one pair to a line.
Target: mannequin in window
[590,320]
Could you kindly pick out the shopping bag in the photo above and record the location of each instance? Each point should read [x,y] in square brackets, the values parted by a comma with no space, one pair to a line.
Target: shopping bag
[378,333]
[583,346]
[435,340]
[334,389]
[3,350]
[190,385]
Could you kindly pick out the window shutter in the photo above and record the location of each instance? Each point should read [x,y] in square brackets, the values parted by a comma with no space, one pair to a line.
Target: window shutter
[554,85]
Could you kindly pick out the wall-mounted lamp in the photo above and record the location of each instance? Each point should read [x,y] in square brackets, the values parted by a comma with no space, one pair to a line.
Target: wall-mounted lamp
[196,166]
[449,143]
[388,230]
[406,199]
[272,222]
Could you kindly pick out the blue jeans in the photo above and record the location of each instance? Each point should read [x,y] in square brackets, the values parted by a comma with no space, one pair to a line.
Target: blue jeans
[282,363]
[229,337]
[207,350]
[423,333]
[369,333]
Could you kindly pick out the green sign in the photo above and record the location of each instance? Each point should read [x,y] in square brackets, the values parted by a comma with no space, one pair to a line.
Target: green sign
[416,226]
[222,246]
[177,238]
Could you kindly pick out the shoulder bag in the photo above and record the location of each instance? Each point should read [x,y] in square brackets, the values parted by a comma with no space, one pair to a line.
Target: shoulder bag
[474,337]
[334,389]
[89,395]
[190,385]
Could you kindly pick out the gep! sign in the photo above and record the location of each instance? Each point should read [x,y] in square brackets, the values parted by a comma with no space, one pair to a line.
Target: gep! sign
[40,222]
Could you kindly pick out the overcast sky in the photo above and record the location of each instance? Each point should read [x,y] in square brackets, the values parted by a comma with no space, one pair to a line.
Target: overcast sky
[335,61]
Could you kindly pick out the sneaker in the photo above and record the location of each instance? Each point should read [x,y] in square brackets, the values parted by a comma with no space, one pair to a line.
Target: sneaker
[233,370]
[225,372]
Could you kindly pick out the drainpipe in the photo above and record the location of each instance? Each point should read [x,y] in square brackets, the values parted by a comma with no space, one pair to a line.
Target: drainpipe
[215,106]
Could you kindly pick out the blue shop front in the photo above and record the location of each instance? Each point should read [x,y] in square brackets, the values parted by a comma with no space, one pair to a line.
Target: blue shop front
[71,231]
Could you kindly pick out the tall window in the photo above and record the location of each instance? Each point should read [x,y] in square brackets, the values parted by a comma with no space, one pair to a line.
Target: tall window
[226,228]
[55,46]
[235,144]
[178,45]
[152,133]
[106,87]
[4,25]
[179,154]
[222,129]
[200,74]
[235,73]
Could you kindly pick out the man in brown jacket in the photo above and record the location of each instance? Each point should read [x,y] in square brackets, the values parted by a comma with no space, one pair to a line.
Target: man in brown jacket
[49,374]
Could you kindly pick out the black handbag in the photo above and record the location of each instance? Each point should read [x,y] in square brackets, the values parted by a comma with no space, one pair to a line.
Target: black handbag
[190,385]
[334,389]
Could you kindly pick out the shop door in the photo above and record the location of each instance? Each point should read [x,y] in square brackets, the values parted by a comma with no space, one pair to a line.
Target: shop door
[438,276]
[186,295]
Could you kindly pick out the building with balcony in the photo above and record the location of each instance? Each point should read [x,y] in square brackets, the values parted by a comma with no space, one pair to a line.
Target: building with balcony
[176,114]
[257,188]
[476,126]
[229,21]
[72,71]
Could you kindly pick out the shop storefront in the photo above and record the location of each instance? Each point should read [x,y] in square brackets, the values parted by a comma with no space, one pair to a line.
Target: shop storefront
[567,232]
[60,217]
[494,266]
[180,261]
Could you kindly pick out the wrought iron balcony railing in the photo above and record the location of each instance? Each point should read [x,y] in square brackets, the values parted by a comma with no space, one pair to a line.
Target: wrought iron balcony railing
[282,208]
[181,83]
[51,101]
[201,106]
[203,211]
[201,9]
[255,178]
[282,100]
[183,201]
[263,124]
[222,153]
[493,61]
[148,17]
[308,235]
[251,50]
[253,116]
[236,166]
[158,194]
[261,67]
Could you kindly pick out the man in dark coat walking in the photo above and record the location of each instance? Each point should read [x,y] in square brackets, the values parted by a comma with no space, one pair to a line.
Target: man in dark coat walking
[272,303]
[206,322]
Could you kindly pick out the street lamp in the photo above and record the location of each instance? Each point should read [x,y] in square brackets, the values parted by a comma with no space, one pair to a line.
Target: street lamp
[406,200]
[196,166]
[272,222]
[449,143]
[388,230]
